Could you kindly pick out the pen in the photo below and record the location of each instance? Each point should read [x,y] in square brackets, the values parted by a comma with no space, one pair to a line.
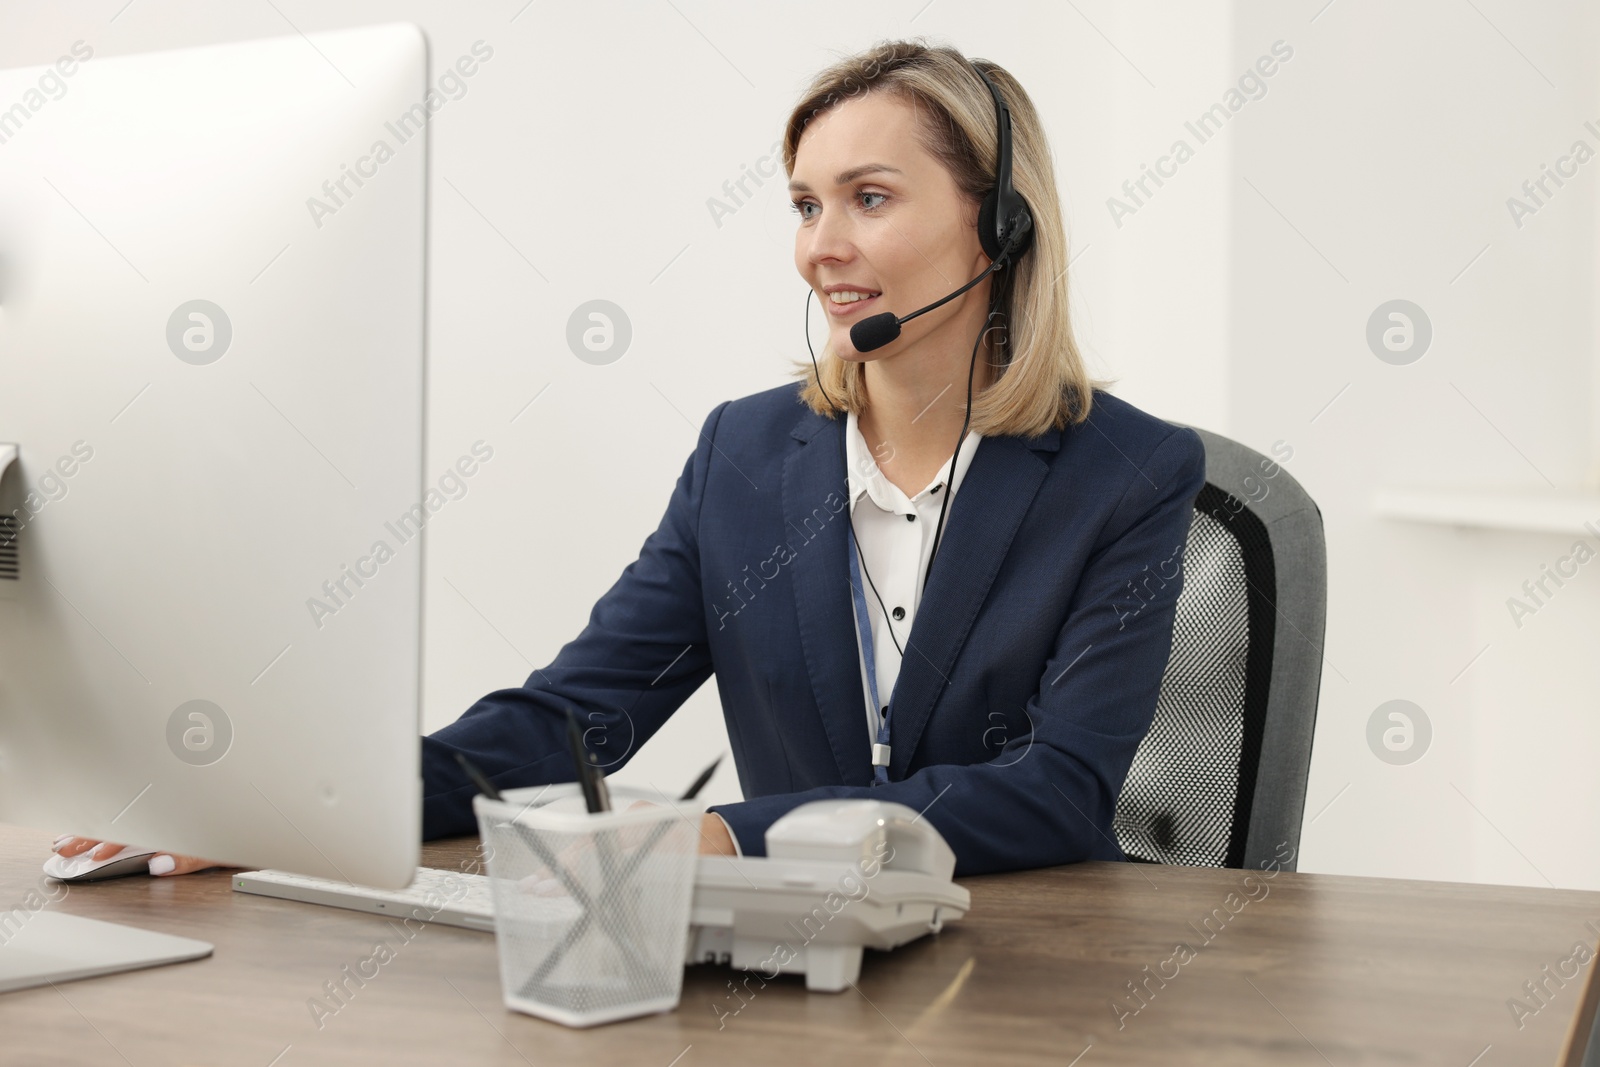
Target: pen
[587,779]
[599,779]
[485,786]
[700,782]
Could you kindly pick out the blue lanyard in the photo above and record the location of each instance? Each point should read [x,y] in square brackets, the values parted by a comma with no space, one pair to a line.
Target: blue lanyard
[880,770]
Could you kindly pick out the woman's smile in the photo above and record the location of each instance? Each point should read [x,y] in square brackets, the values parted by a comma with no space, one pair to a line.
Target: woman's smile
[842,301]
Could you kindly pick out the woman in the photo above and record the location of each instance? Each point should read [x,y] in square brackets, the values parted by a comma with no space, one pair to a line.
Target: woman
[991,662]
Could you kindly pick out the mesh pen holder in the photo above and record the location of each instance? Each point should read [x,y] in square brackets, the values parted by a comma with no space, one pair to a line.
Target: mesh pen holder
[591,912]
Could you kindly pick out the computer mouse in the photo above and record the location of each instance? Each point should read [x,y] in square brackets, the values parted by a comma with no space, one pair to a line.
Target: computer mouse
[83,868]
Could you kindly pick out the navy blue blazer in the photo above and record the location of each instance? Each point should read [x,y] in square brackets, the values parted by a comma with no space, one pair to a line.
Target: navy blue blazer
[1031,671]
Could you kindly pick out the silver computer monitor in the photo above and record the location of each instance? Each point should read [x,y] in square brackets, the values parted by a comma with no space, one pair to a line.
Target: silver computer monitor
[212,268]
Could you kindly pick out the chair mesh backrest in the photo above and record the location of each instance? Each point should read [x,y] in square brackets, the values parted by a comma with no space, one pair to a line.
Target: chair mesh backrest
[1188,794]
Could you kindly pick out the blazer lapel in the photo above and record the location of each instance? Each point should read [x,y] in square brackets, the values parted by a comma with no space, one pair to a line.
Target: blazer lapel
[991,499]
[813,486]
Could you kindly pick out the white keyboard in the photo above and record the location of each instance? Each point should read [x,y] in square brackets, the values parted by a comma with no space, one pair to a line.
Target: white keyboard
[440,896]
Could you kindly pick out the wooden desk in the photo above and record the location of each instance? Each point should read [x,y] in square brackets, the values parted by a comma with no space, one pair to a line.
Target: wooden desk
[1312,969]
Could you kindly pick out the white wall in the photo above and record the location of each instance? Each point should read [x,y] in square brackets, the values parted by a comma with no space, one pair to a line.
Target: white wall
[579,164]
[1380,169]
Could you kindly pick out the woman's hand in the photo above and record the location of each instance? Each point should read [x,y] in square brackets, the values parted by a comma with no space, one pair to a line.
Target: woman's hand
[714,841]
[161,864]
[714,837]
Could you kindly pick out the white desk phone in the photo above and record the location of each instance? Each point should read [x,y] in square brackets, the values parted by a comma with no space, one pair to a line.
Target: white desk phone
[839,876]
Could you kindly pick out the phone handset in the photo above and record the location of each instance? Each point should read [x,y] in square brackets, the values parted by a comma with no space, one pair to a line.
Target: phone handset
[822,890]
[873,833]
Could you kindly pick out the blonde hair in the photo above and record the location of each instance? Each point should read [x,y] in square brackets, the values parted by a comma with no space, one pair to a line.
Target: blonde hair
[1040,381]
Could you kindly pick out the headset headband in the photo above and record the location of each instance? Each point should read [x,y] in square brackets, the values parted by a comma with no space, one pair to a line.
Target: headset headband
[1003,218]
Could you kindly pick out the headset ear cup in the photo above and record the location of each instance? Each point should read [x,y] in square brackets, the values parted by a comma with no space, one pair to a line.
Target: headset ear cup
[1022,220]
[992,245]
[986,229]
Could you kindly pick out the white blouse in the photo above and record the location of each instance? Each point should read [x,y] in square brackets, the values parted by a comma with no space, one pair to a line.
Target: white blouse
[894,541]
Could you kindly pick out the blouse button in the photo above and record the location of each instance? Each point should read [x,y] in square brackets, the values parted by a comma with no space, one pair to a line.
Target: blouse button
[898,613]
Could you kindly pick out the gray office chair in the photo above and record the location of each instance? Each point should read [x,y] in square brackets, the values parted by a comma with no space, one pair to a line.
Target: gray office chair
[1220,779]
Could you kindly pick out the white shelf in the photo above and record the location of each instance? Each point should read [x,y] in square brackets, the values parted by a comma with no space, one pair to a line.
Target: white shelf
[1549,511]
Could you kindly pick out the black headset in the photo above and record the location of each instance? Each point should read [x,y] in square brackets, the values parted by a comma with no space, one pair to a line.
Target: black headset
[1003,216]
